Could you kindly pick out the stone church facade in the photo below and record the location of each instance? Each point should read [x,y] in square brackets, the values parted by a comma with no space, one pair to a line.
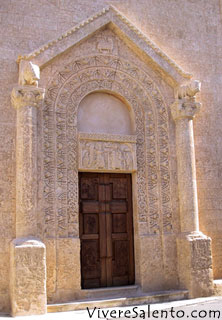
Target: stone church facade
[110,151]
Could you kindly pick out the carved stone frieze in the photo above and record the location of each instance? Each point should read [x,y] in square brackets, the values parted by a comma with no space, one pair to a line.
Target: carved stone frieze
[118,76]
[105,155]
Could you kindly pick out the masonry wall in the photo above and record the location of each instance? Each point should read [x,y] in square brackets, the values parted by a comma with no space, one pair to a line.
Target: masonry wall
[189,31]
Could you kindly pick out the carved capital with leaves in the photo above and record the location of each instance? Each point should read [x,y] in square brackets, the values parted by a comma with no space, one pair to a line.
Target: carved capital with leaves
[185,105]
[23,96]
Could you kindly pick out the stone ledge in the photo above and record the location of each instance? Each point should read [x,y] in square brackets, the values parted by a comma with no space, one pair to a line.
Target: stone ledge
[217,287]
[145,298]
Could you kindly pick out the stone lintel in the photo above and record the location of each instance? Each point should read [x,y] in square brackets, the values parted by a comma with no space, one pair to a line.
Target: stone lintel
[107,156]
[27,277]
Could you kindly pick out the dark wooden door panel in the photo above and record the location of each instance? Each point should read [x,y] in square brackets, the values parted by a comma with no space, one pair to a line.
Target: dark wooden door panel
[106,230]
[90,263]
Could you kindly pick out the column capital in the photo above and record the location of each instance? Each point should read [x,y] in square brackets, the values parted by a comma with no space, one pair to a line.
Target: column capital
[185,105]
[23,96]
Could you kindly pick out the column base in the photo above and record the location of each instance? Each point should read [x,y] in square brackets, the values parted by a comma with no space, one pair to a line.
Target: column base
[27,277]
[195,264]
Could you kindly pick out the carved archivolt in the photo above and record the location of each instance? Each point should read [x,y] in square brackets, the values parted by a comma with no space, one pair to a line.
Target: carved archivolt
[111,74]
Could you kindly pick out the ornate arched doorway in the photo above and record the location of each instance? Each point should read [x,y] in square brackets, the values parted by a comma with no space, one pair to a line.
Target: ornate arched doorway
[53,149]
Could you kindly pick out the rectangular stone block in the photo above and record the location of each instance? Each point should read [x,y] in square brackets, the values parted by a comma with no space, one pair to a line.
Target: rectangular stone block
[51,267]
[27,277]
[152,273]
[195,264]
[68,264]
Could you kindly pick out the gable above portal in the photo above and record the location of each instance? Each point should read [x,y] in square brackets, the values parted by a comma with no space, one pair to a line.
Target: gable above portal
[110,18]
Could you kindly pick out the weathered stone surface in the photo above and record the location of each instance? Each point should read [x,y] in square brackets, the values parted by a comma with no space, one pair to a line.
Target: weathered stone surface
[27,277]
[107,155]
[195,264]
[114,61]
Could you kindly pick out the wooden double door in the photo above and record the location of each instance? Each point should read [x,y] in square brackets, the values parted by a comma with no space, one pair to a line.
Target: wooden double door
[106,230]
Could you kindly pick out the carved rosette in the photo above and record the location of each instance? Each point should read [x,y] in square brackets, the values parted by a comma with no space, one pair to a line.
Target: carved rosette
[59,116]
[26,99]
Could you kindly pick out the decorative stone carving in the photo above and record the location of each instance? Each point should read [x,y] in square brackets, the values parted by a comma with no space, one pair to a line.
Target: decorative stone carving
[195,264]
[189,90]
[185,105]
[105,45]
[193,248]
[26,100]
[27,96]
[27,255]
[60,147]
[184,109]
[104,155]
[28,277]
[111,18]
[29,73]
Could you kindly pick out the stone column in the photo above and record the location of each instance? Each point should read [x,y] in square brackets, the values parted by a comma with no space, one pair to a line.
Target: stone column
[27,254]
[26,99]
[194,248]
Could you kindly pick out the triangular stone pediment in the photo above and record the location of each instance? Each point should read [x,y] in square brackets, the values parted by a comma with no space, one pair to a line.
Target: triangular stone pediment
[111,18]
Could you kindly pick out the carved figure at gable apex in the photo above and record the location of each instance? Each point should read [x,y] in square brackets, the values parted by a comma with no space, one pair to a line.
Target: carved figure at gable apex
[105,44]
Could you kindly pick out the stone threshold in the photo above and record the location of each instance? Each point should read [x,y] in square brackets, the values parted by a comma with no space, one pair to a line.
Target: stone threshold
[137,299]
[218,287]
[111,292]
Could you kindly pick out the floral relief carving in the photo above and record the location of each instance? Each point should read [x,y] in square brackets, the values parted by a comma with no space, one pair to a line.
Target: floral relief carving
[112,74]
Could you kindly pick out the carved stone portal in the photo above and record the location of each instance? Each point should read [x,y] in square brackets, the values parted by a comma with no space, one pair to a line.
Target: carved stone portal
[107,155]
[143,80]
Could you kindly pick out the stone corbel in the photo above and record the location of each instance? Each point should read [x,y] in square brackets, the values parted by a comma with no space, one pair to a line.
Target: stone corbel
[27,254]
[192,245]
